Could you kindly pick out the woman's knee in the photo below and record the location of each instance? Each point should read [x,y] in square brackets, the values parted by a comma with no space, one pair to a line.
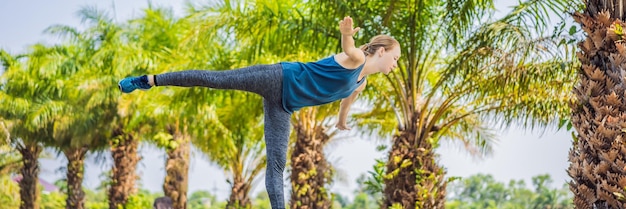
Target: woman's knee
[277,164]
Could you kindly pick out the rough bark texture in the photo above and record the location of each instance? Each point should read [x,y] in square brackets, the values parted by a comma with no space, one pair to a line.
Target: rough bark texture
[123,174]
[413,178]
[177,170]
[75,174]
[239,194]
[29,194]
[311,172]
[598,154]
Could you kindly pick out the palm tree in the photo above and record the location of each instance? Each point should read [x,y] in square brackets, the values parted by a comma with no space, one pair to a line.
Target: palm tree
[597,155]
[175,44]
[103,57]
[160,37]
[73,134]
[454,77]
[240,152]
[25,104]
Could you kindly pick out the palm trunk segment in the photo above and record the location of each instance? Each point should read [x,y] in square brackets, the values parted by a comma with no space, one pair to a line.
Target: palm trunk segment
[125,159]
[598,154]
[239,194]
[29,194]
[413,179]
[311,172]
[75,174]
[177,170]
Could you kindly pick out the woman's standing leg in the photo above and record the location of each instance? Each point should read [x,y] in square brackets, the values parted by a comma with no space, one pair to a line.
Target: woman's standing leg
[277,128]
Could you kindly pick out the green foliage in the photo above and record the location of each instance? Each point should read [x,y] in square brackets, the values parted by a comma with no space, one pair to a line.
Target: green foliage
[9,193]
[373,184]
[143,199]
[262,201]
[140,201]
[475,192]
[201,200]
[482,191]
[362,201]
[53,200]
[164,140]
[10,160]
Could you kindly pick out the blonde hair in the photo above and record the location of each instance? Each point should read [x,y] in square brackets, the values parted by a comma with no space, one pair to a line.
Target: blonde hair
[378,41]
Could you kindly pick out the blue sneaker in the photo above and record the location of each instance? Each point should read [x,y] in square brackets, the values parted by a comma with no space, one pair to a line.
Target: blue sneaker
[129,84]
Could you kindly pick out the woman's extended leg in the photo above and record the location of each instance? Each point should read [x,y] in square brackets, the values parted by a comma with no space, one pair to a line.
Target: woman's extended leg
[277,128]
[253,79]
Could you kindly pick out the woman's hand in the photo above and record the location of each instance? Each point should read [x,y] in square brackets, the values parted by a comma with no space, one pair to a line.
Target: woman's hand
[346,27]
[342,126]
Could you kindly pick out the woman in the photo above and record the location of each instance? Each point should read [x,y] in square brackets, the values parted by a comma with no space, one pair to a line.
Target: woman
[289,86]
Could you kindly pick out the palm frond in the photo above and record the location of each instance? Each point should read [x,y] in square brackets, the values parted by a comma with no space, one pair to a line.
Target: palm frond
[64,31]
[93,15]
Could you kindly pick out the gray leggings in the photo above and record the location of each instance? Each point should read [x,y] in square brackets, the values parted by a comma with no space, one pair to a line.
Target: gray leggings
[267,81]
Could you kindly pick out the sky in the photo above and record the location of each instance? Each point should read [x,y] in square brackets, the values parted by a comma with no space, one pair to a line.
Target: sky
[518,154]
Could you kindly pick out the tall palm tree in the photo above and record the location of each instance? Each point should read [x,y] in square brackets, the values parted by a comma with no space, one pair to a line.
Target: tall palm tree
[597,155]
[25,103]
[458,68]
[103,57]
[73,134]
[162,38]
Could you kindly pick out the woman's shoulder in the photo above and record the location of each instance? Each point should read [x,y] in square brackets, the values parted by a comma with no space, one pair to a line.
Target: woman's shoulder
[343,60]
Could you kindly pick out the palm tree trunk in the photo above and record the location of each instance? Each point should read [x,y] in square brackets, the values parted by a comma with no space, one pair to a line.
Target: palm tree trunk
[311,172]
[177,170]
[239,197]
[29,194]
[125,159]
[75,174]
[598,154]
[425,188]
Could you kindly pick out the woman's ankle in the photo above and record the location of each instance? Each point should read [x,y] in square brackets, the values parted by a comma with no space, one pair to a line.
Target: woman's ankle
[151,80]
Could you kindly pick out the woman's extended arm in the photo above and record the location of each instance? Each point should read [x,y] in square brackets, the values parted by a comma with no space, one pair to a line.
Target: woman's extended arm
[344,107]
[347,42]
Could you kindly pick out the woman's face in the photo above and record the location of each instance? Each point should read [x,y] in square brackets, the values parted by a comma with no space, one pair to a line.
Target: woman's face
[388,59]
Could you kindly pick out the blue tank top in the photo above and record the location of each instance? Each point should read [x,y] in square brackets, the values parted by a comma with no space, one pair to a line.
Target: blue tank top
[317,83]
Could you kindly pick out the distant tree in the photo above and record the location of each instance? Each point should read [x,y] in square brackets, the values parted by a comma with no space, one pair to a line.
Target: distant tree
[482,191]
